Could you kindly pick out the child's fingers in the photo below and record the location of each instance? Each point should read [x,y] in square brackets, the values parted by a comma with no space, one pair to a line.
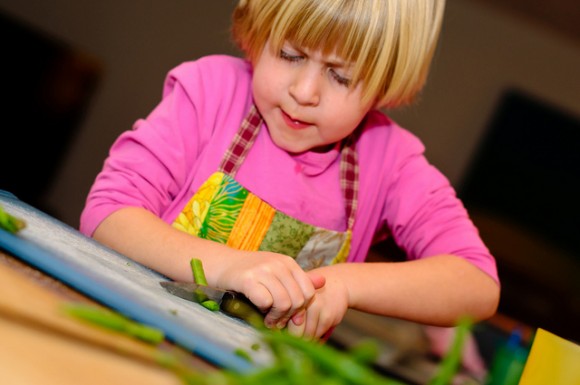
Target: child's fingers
[298,290]
[277,285]
[260,296]
[316,323]
[280,300]
[303,282]
[296,329]
[317,279]
[299,317]
[282,310]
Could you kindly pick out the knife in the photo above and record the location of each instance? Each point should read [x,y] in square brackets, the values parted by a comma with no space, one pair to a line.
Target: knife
[230,302]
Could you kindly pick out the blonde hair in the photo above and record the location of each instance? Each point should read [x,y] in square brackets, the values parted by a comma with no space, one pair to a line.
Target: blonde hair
[390,42]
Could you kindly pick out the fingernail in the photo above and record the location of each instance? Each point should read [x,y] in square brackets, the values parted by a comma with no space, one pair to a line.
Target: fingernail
[281,325]
[298,318]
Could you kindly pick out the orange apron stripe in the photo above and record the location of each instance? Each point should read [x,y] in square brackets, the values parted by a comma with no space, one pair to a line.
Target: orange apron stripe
[251,225]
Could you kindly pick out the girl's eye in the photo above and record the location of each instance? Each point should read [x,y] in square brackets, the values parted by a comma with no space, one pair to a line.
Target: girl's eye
[284,55]
[343,81]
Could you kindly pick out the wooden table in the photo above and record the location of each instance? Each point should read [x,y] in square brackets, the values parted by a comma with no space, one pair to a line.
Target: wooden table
[41,344]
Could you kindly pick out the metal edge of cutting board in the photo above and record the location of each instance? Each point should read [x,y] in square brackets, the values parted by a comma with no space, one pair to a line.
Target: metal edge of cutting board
[128,287]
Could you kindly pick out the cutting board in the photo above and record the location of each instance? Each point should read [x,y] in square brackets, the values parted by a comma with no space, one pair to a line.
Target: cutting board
[128,287]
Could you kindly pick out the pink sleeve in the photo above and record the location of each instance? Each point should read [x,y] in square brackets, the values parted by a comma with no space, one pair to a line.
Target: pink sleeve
[403,195]
[154,165]
[424,214]
[145,167]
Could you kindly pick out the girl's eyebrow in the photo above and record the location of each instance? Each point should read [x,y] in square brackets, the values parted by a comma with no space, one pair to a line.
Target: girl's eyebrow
[337,62]
[331,60]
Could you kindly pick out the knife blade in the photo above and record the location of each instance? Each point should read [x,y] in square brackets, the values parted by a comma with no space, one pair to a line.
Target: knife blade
[230,302]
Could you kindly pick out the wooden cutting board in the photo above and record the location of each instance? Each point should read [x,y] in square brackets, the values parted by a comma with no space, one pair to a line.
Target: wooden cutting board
[42,345]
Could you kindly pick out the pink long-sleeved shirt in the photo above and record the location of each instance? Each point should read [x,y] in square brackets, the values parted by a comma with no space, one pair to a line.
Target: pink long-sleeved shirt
[162,162]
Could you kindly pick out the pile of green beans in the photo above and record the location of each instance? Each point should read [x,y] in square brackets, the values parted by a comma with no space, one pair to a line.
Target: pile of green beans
[298,361]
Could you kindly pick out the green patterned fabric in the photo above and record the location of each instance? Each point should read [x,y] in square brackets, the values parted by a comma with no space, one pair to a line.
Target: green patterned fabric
[223,211]
[286,235]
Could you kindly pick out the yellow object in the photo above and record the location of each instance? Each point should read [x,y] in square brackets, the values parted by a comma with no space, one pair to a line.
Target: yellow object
[552,360]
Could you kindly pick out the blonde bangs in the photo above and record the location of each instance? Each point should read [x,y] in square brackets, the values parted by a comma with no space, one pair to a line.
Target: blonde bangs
[351,30]
[390,43]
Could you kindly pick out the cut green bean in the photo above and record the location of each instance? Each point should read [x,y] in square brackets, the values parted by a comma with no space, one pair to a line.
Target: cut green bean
[198,273]
[9,222]
[199,296]
[210,304]
[243,354]
[452,359]
[114,321]
[199,278]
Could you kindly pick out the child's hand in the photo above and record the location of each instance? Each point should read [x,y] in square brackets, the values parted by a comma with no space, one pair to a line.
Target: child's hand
[326,310]
[275,283]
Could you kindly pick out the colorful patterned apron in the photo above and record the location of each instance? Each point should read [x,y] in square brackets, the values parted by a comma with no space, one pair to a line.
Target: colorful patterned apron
[224,211]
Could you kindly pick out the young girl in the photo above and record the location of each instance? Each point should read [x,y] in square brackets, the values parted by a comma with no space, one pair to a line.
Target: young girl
[276,169]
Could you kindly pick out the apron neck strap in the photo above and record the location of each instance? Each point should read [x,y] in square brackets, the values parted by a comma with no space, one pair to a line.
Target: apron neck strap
[349,177]
[242,142]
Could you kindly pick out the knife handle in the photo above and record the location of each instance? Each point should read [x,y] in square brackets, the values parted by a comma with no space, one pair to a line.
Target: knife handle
[239,306]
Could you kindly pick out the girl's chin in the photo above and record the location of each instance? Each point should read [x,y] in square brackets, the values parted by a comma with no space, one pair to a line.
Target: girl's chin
[293,147]
[297,142]
[299,149]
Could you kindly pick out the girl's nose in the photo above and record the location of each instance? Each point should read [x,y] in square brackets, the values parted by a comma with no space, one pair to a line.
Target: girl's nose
[305,87]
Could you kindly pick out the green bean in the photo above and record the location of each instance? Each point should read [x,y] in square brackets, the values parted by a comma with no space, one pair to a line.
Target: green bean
[365,352]
[9,222]
[452,358]
[198,273]
[243,354]
[114,321]
[297,367]
[210,304]
[199,278]
[331,360]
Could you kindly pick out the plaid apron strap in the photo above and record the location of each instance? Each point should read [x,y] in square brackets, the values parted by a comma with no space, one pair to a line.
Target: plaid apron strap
[349,177]
[241,143]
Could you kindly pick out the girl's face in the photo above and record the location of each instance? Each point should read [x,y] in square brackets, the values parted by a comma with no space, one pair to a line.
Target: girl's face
[305,98]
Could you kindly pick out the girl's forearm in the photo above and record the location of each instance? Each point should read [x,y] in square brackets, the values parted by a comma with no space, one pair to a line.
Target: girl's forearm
[143,237]
[437,290]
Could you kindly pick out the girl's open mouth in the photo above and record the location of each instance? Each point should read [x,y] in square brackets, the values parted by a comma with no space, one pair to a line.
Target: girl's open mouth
[294,123]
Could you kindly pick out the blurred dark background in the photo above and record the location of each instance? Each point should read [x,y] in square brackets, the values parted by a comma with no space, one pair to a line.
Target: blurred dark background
[522,189]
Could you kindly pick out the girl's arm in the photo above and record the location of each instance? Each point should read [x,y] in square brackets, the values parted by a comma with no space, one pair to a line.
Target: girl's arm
[273,282]
[438,290]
